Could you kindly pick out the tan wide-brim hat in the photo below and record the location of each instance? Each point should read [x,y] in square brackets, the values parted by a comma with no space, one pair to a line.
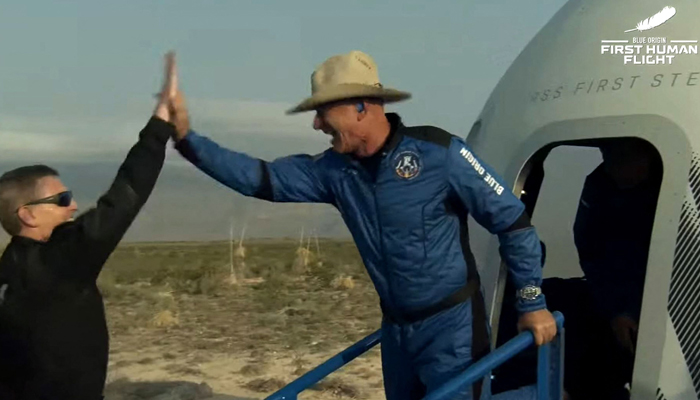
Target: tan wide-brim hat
[347,76]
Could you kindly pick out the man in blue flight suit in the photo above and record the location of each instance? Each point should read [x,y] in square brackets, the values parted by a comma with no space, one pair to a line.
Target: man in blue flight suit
[612,232]
[404,193]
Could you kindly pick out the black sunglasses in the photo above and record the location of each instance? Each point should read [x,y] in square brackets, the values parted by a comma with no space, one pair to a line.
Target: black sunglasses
[62,199]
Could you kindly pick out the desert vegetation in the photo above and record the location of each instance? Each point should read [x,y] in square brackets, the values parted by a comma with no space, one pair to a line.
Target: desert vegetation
[239,319]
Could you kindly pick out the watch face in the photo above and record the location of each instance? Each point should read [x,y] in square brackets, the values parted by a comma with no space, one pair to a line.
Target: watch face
[529,292]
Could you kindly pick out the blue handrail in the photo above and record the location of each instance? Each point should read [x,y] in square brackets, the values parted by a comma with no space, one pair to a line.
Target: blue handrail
[550,357]
[550,372]
[312,377]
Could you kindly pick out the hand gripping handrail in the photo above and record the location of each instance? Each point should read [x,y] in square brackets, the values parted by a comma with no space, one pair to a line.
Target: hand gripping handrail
[550,363]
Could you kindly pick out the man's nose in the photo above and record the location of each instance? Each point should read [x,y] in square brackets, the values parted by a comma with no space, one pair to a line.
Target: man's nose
[73,205]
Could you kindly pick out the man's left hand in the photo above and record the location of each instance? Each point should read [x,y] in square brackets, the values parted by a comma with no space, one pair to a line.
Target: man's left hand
[625,330]
[167,92]
[541,323]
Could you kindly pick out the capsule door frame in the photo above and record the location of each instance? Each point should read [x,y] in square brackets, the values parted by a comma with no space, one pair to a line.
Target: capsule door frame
[672,144]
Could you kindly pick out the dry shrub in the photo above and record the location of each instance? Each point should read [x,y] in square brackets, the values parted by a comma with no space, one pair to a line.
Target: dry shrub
[164,300]
[238,270]
[301,262]
[256,369]
[107,283]
[180,369]
[262,385]
[240,253]
[231,280]
[343,282]
[377,385]
[124,389]
[338,388]
[165,319]
[208,284]
[299,364]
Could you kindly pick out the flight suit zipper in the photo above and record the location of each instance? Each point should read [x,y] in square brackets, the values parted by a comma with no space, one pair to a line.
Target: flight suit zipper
[381,263]
[387,275]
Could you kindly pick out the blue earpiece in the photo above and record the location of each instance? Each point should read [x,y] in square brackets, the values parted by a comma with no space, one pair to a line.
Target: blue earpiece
[360,107]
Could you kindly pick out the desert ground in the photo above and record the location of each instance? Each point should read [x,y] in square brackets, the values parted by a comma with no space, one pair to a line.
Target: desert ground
[184,324]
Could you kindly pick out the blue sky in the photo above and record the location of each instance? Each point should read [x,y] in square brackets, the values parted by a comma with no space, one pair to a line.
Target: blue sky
[77,77]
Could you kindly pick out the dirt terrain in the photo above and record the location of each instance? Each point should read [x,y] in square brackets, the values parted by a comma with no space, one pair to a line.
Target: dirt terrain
[181,322]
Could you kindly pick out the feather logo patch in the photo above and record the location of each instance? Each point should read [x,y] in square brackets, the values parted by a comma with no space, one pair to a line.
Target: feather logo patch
[643,49]
[655,20]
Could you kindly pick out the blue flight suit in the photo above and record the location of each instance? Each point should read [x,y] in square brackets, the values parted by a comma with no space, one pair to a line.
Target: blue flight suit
[406,208]
[612,232]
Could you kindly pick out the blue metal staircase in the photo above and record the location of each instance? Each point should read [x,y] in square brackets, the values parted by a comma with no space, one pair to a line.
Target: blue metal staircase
[550,366]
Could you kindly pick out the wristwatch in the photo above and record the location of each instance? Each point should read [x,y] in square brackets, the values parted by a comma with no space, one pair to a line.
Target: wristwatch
[529,292]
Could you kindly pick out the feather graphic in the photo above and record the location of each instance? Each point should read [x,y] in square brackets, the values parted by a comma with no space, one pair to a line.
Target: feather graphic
[656,20]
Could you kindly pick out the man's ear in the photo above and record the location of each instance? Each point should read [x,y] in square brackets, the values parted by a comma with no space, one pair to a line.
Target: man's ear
[361,110]
[26,216]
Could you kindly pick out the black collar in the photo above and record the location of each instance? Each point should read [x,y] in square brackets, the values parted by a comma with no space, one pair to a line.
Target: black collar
[23,240]
[395,134]
[393,140]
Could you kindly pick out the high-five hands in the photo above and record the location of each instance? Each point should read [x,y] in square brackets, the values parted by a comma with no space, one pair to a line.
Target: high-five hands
[180,119]
[171,105]
[168,90]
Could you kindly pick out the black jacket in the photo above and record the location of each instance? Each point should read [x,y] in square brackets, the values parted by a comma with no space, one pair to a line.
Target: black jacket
[54,341]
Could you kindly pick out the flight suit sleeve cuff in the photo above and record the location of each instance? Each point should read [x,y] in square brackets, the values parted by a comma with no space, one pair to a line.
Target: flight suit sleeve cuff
[186,147]
[524,306]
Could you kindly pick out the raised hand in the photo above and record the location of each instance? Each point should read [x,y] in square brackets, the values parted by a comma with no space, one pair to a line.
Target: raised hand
[180,119]
[168,90]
